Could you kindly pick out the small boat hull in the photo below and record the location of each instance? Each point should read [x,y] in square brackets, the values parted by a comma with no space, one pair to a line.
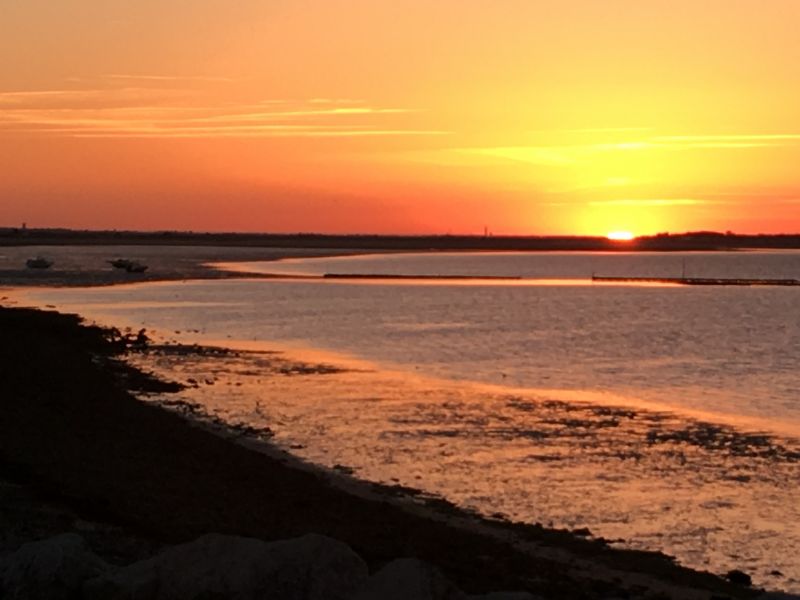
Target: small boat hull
[128,265]
[38,263]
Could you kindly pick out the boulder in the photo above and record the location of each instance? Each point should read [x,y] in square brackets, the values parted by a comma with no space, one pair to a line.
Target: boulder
[505,596]
[413,579]
[312,567]
[55,568]
[409,579]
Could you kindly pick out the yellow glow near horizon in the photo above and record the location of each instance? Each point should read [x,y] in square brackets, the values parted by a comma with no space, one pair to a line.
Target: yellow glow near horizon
[620,236]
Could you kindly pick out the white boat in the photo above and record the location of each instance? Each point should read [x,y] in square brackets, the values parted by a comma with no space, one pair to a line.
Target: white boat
[39,263]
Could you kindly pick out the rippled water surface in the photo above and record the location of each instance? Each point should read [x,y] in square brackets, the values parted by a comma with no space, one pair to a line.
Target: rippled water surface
[550,265]
[664,416]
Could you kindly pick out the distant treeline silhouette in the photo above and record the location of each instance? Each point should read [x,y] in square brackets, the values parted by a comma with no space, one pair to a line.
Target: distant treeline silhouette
[694,240]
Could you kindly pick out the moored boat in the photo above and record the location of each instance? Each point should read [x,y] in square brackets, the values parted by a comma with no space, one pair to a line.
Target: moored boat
[135,267]
[120,263]
[39,263]
[131,266]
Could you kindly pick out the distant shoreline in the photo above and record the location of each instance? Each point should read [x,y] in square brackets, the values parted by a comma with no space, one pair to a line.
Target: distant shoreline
[219,261]
[696,241]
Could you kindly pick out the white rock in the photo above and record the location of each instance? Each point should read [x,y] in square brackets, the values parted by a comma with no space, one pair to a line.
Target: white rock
[55,568]
[409,579]
[312,567]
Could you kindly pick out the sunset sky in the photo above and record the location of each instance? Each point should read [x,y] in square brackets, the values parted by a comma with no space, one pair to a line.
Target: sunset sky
[405,116]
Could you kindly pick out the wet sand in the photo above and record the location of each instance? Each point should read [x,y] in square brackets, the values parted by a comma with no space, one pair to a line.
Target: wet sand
[74,434]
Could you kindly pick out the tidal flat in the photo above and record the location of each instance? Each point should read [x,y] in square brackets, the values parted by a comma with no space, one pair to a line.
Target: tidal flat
[633,477]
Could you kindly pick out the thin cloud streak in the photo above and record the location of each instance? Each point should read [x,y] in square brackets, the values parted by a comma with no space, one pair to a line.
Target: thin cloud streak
[719,145]
[571,154]
[66,94]
[335,101]
[107,126]
[593,130]
[65,113]
[87,116]
[209,78]
[651,202]
[252,133]
[554,156]
[765,137]
[92,99]
[305,113]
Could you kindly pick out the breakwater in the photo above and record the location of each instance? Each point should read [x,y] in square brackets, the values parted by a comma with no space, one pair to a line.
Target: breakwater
[699,280]
[391,276]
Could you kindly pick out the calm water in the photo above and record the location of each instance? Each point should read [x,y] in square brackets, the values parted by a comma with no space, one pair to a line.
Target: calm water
[550,265]
[627,409]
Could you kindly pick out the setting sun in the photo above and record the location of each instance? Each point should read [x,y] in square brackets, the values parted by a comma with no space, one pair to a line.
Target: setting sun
[620,236]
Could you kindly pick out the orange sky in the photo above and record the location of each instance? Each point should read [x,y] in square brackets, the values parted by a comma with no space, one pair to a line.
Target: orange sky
[526,116]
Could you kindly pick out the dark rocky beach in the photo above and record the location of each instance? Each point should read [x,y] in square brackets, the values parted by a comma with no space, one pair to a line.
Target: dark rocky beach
[79,453]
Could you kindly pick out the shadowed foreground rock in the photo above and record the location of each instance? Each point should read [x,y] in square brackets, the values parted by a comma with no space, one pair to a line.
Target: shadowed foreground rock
[312,567]
[409,578]
[55,568]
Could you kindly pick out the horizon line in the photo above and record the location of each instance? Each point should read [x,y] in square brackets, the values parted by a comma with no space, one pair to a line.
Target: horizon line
[490,235]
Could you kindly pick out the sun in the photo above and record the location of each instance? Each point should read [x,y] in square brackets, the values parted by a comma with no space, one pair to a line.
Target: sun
[620,236]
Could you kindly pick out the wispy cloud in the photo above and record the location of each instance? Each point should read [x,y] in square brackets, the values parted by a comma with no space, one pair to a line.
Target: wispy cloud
[758,137]
[335,101]
[537,155]
[293,114]
[171,113]
[250,132]
[594,130]
[562,155]
[555,156]
[651,202]
[91,98]
[165,78]
[731,141]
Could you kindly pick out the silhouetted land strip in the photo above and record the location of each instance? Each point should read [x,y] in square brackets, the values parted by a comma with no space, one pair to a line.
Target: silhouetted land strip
[392,276]
[71,428]
[700,280]
[698,240]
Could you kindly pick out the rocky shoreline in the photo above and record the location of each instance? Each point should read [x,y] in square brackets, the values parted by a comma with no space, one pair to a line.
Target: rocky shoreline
[140,479]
